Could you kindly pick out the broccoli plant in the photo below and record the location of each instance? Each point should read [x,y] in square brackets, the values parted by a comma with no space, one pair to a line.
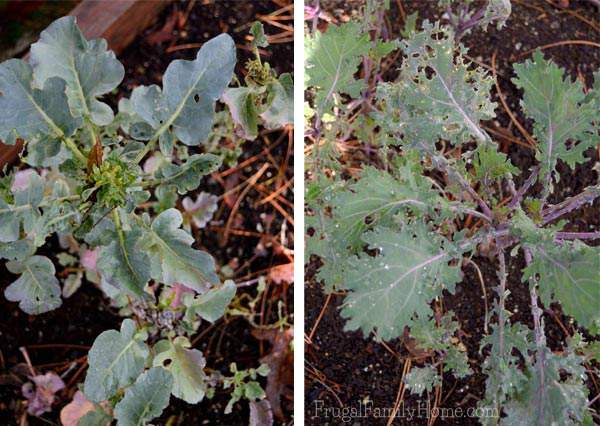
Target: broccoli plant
[86,183]
[389,236]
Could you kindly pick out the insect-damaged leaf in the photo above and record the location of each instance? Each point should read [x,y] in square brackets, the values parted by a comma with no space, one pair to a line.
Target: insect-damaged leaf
[37,289]
[332,59]
[88,67]
[438,95]
[173,258]
[389,289]
[115,360]
[146,399]
[190,88]
[123,264]
[561,112]
[31,113]
[187,367]
[569,274]
[546,397]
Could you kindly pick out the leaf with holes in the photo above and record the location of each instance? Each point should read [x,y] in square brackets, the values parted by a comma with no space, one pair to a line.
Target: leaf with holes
[186,103]
[570,275]
[186,177]
[37,290]
[387,291]
[190,383]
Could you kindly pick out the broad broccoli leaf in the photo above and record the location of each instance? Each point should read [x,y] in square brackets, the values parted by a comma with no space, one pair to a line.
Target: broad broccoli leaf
[332,59]
[569,273]
[10,223]
[281,108]
[186,104]
[242,104]
[31,113]
[88,67]
[146,399]
[123,264]
[390,289]
[186,177]
[37,290]
[116,359]
[560,110]
[17,250]
[211,305]
[173,258]
[187,367]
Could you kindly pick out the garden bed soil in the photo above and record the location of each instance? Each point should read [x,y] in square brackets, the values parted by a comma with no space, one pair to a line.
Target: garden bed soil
[345,368]
[87,313]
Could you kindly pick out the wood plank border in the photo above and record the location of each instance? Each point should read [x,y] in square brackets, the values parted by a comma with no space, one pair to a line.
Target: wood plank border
[118,21]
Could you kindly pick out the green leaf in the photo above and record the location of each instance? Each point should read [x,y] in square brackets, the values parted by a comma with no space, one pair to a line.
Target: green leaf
[241,102]
[37,290]
[10,223]
[569,274]
[560,111]
[187,176]
[281,109]
[504,376]
[32,113]
[146,399]
[186,366]
[177,262]
[258,35]
[419,380]
[211,305]
[46,152]
[17,250]
[98,417]
[332,59]
[123,264]
[439,94]
[546,398]
[190,88]
[378,196]
[88,67]
[116,359]
[330,246]
[390,289]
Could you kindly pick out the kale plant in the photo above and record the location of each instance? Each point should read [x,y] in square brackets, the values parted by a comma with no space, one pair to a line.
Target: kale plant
[389,235]
[86,185]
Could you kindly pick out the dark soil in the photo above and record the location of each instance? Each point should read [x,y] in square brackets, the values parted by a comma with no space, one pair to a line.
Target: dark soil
[87,313]
[345,369]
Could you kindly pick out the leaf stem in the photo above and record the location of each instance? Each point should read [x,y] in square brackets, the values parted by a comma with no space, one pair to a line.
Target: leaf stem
[570,204]
[540,338]
[577,235]
[73,147]
[443,164]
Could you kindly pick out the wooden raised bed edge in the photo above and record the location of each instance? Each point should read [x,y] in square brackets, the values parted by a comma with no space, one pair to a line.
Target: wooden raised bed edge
[118,21]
